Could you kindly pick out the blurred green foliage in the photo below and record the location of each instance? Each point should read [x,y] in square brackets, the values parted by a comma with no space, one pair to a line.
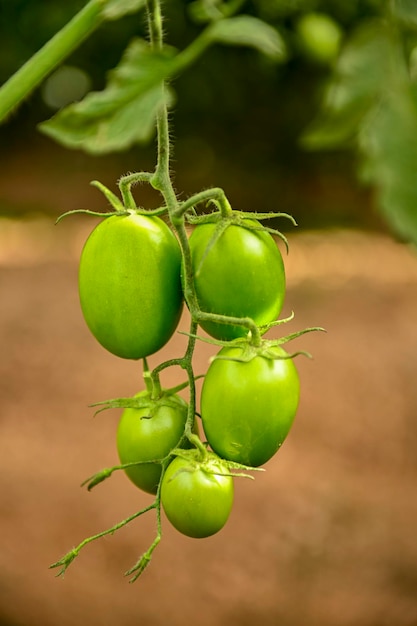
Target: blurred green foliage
[239,117]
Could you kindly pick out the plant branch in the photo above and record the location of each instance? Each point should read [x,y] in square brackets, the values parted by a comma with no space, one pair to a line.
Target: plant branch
[35,70]
[66,560]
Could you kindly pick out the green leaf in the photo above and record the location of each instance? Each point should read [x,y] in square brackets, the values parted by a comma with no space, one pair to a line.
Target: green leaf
[115,9]
[210,10]
[356,82]
[406,11]
[124,112]
[245,30]
[204,10]
[388,142]
[372,103]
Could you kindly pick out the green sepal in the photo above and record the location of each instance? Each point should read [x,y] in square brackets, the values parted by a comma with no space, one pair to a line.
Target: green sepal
[204,459]
[144,400]
[265,349]
[246,219]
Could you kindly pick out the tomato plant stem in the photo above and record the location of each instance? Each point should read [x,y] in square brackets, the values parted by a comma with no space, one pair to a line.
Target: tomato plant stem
[33,72]
[215,194]
[161,181]
[72,554]
[126,183]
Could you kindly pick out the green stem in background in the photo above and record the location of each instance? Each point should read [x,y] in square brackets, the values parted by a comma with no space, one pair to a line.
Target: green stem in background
[33,72]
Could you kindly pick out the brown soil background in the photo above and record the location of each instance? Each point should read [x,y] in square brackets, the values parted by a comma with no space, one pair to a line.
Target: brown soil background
[326,536]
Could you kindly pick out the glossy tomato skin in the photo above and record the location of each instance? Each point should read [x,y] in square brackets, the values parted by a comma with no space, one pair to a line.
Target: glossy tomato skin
[197,501]
[130,284]
[150,433]
[242,275]
[248,408]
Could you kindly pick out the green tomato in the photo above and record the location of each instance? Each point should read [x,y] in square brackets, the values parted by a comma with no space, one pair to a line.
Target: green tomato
[149,433]
[241,275]
[247,408]
[320,37]
[197,497]
[130,285]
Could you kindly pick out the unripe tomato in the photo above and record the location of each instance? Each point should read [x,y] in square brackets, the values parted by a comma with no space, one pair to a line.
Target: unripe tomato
[319,36]
[197,497]
[130,285]
[150,433]
[247,408]
[241,275]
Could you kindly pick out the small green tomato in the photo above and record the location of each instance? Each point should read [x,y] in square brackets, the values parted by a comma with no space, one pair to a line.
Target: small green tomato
[197,496]
[150,433]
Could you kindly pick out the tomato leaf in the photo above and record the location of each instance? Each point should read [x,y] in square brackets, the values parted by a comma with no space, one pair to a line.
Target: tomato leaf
[371,104]
[388,142]
[352,90]
[202,11]
[124,112]
[209,10]
[245,30]
[117,8]
[405,10]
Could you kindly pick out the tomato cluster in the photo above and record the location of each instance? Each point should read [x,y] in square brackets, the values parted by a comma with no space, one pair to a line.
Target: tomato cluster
[131,285]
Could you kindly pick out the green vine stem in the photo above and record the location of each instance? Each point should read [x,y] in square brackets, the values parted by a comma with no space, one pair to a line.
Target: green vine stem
[126,183]
[33,72]
[66,560]
[215,194]
[161,181]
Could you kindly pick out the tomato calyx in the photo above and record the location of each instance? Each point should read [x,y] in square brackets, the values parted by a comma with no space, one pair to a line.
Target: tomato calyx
[115,202]
[199,459]
[244,219]
[125,207]
[142,400]
[268,348]
[153,397]
[207,461]
[252,347]
[147,408]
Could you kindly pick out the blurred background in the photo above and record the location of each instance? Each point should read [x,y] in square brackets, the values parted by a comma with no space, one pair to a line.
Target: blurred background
[238,118]
[326,535]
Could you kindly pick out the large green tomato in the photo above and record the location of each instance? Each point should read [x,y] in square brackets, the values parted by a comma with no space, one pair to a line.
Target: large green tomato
[247,408]
[130,285]
[150,433]
[241,275]
[197,497]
